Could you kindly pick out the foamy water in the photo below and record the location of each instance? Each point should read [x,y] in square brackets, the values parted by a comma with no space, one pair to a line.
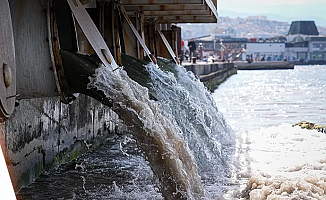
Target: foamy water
[273,159]
[281,162]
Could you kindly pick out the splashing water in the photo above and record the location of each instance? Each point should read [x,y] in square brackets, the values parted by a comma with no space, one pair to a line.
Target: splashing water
[185,100]
[156,134]
[184,115]
[185,141]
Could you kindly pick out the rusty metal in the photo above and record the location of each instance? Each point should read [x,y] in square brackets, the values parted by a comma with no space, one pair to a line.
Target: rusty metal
[121,32]
[57,67]
[138,26]
[113,29]
[7,63]
[101,17]
[91,32]
[141,41]
[106,55]
[116,34]
[167,45]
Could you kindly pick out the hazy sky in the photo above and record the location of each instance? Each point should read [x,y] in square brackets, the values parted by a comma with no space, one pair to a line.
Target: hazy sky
[290,9]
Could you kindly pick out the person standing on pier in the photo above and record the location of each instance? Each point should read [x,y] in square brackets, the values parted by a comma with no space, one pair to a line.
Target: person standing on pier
[182,50]
[192,48]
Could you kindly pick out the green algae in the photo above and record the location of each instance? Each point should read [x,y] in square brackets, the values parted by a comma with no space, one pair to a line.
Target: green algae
[311,126]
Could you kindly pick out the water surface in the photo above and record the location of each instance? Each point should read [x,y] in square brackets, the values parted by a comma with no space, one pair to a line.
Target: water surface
[263,98]
[274,160]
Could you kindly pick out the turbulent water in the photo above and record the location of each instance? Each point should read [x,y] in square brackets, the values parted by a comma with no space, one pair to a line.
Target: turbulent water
[185,100]
[181,135]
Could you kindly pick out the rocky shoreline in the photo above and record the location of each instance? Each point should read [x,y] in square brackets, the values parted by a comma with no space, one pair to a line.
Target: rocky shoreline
[311,126]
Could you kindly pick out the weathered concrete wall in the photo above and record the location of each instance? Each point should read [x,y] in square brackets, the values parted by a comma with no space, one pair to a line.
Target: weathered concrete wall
[212,74]
[43,133]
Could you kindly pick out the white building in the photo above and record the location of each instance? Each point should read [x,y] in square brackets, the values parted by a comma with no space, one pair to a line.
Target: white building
[270,51]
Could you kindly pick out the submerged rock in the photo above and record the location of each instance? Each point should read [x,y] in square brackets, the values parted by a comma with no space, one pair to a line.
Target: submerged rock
[311,126]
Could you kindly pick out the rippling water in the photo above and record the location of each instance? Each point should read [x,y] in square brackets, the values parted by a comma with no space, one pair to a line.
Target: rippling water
[264,98]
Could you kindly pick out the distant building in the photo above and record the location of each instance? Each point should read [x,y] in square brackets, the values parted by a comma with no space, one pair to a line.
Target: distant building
[270,51]
[304,42]
[303,27]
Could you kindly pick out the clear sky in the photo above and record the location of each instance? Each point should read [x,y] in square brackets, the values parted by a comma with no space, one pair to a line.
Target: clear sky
[288,9]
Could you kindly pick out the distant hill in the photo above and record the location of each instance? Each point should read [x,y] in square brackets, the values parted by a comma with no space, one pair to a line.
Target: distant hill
[284,11]
[243,25]
[294,13]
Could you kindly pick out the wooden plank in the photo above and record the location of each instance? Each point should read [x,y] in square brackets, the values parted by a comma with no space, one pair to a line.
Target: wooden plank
[91,32]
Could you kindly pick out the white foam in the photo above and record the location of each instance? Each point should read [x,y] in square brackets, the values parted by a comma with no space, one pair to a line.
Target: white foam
[284,162]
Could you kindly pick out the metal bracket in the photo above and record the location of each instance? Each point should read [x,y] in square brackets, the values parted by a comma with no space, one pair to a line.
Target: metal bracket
[139,38]
[167,45]
[92,33]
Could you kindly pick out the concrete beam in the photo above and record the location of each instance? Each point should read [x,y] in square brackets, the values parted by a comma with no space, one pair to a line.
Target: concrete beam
[161,2]
[173,7]
[172,13]
[185,19]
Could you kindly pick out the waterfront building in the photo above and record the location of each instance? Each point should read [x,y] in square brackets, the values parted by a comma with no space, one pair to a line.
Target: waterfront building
[269,51]
[304,42]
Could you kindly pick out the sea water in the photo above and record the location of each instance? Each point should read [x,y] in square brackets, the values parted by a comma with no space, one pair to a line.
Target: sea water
[275,159]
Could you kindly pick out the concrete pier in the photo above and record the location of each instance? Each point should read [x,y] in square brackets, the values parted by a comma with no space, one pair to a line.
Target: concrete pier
[212,74]
[261,65]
